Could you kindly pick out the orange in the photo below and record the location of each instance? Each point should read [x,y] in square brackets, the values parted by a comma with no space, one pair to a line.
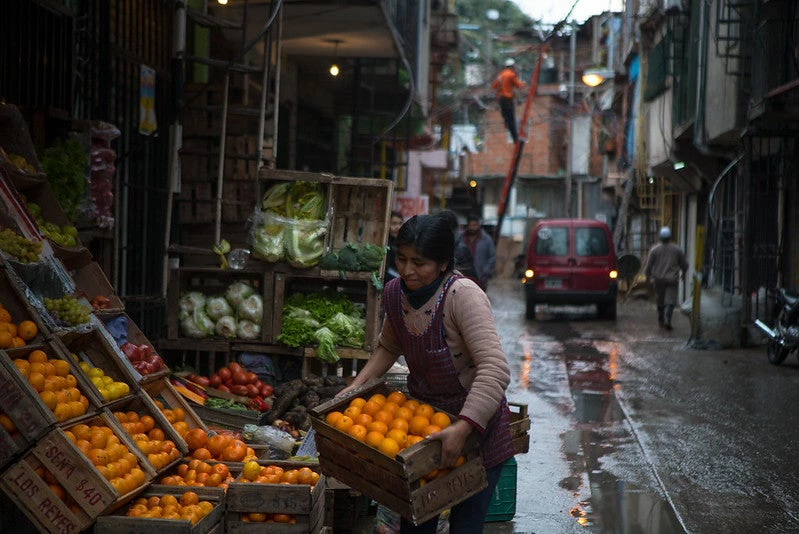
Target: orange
[425,410]
[281,518]
[37,356]
[49,399]
[403,412]
[221,470]
[332,417]
[399,424]
[379,398]
[358,432]
[61,367]
[400,437]
[98,456]
[81,431]
[344,423]
[251,470]
[169,500]
[18,342]
[289,476]
[202,454]
[5,317]
[460,461]
[362,419]
[377,426]
[27,330]
[178,414]
[189,498]
[417,425]
[388,447]
[431,429]
[217,444]
[305,475]
[374,438]
[384,417]
[6,340]
[358,401]
[440,419]
[7,423]
[196,438]
[148,422]
[371,408]
[156,434]
[412,404]
[390,407]
[397,397]
[98,439]
[352,412]
[235,452]
[413,440]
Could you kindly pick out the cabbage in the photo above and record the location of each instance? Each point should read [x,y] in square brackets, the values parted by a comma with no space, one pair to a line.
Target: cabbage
[189,328]
[203,322]
[350,329]
[251,308]
[226,327]
[248,330]
[327,340]
[189,302]
[238,291]
[218,307]
[267,242]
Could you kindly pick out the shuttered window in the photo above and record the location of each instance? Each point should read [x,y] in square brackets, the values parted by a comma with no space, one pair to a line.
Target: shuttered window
[658,68]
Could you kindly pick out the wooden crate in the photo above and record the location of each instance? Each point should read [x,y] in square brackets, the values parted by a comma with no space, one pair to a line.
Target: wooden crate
[161,390]
[359,291]
[395,482]
[119,523]
[11,446]
[98,350]
[143,404]
[79,477]
[519,427]
[135,336]
[29,410]
[298,500]
[361,206]
[211,282]
[12,298]
[92,281]
[227,419]
[31,494]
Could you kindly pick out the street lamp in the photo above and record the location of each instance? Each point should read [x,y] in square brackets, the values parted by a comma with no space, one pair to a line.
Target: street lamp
[595,77]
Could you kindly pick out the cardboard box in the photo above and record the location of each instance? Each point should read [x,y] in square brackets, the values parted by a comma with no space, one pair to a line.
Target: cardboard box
[397,483]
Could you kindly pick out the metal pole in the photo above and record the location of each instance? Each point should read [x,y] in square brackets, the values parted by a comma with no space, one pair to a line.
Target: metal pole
[569,144]
[220,176]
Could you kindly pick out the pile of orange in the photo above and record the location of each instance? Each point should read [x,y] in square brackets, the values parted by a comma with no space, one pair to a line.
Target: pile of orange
[176,417]
[8,424]
[255,517]
[13,335]
[149,438]
[274,474]
[110,457]
[198,473]
[221,447]
[58,490]
[54,382]
[187,507]
[389,423]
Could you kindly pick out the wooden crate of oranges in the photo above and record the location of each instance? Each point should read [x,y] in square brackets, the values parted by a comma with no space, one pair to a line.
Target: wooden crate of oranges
[287,495]
[19,324]
[373,440]
[168,511]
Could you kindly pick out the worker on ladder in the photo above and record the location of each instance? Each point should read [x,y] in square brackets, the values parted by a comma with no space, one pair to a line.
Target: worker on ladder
[504,85]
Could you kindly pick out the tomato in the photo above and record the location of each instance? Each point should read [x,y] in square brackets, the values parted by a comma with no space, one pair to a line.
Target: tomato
[224,374]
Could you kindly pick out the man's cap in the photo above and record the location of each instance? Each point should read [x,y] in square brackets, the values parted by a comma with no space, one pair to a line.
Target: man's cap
[665,233]
[509,62]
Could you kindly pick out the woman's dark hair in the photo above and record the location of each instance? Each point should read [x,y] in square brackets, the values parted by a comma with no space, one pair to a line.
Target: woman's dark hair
[431,236]
[451,218]
[395,213]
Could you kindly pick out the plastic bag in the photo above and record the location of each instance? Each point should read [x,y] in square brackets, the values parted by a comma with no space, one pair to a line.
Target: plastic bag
[279,444]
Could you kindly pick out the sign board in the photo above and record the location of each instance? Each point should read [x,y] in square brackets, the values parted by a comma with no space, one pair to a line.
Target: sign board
[410,205]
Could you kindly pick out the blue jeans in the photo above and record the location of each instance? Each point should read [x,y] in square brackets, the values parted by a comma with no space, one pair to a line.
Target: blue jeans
[464,518]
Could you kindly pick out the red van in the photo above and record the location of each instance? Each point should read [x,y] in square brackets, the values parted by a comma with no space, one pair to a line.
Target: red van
[571,261]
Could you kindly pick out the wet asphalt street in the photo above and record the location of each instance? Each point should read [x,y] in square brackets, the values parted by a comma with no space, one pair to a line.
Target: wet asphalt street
[635,432]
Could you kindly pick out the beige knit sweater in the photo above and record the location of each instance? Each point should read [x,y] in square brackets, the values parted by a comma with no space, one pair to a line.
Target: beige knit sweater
[471,335]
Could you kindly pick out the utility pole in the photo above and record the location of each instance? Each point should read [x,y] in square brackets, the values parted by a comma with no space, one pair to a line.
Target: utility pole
[572,53]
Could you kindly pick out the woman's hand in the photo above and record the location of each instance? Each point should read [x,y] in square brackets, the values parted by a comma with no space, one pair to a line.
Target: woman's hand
[452,440]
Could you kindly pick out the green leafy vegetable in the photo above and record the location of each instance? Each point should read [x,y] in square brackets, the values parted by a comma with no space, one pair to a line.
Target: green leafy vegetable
[67,165]
[327,341]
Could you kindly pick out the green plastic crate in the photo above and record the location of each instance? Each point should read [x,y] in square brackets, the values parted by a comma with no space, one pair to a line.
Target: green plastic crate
[503,502]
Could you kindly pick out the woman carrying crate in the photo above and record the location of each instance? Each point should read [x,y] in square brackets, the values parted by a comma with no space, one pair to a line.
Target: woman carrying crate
[444,326]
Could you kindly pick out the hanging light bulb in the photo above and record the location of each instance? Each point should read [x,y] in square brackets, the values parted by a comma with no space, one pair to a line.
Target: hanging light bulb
[221,2]
[334,69]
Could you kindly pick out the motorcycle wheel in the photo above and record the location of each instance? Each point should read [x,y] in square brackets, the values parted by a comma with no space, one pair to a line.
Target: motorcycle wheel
[776,352]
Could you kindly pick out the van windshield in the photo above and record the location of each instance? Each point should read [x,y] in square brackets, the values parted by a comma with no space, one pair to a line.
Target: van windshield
[590,242]
[552,241]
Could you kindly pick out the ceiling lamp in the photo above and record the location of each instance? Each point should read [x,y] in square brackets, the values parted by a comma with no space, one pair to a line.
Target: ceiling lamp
[594,77]
[334,69]
[221,2]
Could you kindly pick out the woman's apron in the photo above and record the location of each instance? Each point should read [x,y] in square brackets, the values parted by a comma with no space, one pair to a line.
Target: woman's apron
[433,378]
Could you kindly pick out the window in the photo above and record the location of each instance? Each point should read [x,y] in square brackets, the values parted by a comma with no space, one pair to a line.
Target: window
[658,68]
[552,241]
[590,242]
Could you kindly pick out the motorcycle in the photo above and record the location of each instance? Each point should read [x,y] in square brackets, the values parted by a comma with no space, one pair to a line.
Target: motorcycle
[784,336]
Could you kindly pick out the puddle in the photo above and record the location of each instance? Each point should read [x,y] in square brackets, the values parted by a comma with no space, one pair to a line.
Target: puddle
[602,439]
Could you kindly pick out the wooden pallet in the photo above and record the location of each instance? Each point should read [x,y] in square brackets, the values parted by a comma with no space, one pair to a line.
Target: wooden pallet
[519,427]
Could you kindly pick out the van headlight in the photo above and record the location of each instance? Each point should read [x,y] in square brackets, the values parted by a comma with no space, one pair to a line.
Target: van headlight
[529,273]
[613,275]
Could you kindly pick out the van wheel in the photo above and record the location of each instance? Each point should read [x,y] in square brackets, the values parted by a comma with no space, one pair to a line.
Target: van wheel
[607,310]
[530,310]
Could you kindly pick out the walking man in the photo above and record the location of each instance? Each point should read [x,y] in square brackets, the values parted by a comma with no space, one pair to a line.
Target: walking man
[504,84]
[663,266]
[479,245]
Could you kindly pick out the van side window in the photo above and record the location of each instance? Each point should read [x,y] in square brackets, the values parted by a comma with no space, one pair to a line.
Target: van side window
[590,242]
[552,241]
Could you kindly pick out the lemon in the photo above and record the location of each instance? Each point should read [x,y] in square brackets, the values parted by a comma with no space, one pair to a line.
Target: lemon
[97,381]
[105,393]
[85,366]
[94,371]
[107,379]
